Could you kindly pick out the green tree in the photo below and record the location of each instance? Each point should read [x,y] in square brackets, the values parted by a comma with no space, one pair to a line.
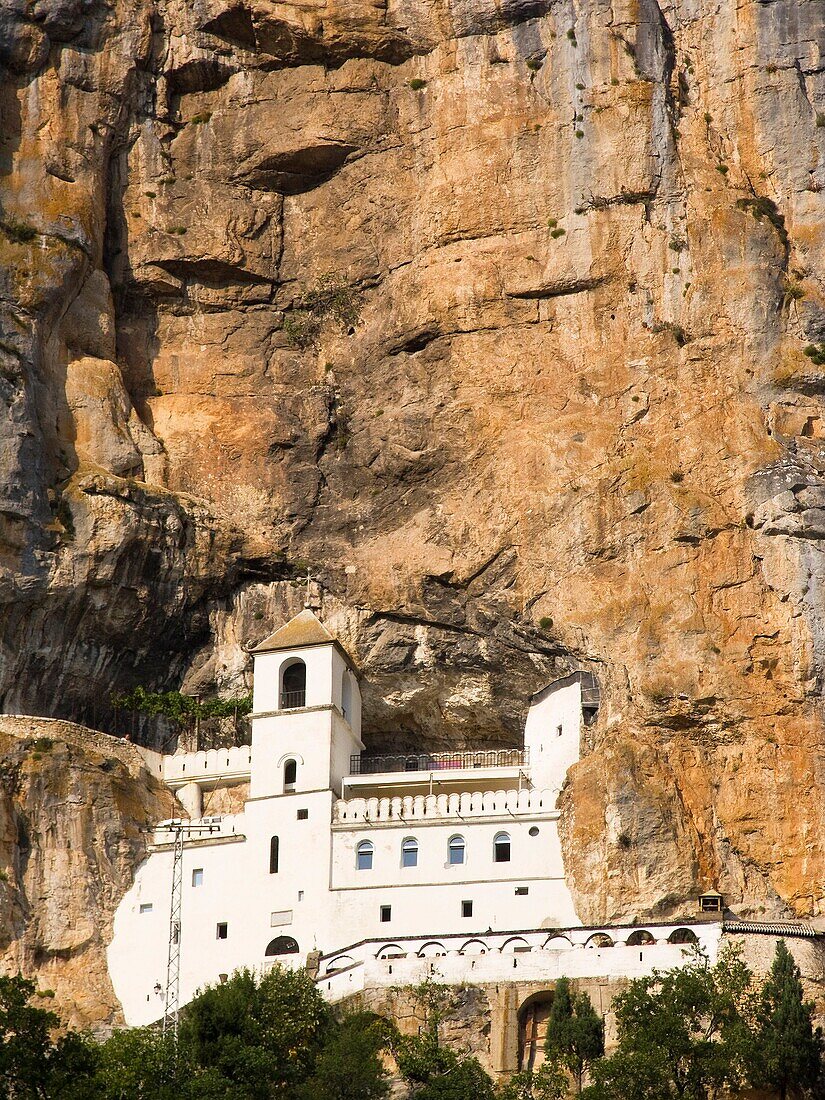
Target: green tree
[786,1055]
[33,1063]
[252,1038]
[349,1067]
[141,1064]
[575,1031]
[682,1033]
[432,1071]
[548,1082]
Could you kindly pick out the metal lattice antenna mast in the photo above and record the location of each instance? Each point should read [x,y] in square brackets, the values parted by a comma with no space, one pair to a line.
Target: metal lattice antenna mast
[172,1000]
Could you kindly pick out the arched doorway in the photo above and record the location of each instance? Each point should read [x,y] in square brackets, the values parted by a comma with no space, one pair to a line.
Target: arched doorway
[532,1029]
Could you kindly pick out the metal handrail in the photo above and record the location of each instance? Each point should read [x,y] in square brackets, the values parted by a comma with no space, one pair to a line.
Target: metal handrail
[439,761]
[292,700]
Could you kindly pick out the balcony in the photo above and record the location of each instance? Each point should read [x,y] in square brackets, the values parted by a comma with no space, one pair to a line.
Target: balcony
[293,700]
[438,761]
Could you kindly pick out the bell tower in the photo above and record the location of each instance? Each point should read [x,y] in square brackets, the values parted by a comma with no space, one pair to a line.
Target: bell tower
[306,710]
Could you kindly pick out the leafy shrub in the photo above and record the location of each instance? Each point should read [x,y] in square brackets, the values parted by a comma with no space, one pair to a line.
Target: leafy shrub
[330,301]
[18,231]
[816,353]
[677,332]
[760,207]
[181,709]
[417,83]
[794,291]
[201,118]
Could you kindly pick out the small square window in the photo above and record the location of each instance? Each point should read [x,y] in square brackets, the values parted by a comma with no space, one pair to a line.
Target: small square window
[522,891]
[197,876]
[300,895]
[466,908]
[386,913]
[146,907]
[302,815]
[222,931]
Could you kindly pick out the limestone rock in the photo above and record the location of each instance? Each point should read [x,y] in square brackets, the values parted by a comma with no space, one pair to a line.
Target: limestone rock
[72,804]
[100,410]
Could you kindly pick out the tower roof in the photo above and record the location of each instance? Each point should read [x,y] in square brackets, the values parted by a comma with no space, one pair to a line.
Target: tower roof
[304,630]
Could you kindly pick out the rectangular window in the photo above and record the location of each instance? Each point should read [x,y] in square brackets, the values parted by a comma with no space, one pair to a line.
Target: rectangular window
[559,731]
[300,895]
[222,931]
[522,891]
[197,876]
[386,913]
[146,907]
[302,815]
[466,908]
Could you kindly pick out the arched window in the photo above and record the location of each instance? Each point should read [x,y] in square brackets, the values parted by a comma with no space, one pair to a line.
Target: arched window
[640,938]
[501,848]
[346,694]
[455,850]
[294,685]
[599,939]
[409,852]
[274,845]
[281,945]
[682,935]
[290,775]
[363,856]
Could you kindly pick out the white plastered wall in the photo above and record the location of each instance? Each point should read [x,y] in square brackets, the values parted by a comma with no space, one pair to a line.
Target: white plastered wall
[552,734]
[317,894]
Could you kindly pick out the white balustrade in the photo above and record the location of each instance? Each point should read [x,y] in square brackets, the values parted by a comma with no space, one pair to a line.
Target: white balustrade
[436,806]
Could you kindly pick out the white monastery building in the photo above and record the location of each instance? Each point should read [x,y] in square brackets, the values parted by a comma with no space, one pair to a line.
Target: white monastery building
[370,869]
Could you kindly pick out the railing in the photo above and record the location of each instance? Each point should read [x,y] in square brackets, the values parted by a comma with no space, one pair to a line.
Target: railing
[438,761]
[354,811]
[292,700]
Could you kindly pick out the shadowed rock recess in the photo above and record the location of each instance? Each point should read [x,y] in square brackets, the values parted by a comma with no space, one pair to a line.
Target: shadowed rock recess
[577,423]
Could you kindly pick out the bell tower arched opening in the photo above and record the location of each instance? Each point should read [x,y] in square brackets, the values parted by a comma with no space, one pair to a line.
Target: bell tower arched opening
[293,684]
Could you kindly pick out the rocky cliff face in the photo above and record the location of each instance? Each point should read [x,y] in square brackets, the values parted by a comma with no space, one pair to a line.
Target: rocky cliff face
[72,804]
[494,314]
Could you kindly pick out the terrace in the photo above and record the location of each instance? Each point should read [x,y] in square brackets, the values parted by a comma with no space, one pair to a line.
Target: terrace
[437,772]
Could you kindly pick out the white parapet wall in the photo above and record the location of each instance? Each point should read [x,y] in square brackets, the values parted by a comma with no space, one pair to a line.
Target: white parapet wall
[434,806]
[209,766]
[538,955]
